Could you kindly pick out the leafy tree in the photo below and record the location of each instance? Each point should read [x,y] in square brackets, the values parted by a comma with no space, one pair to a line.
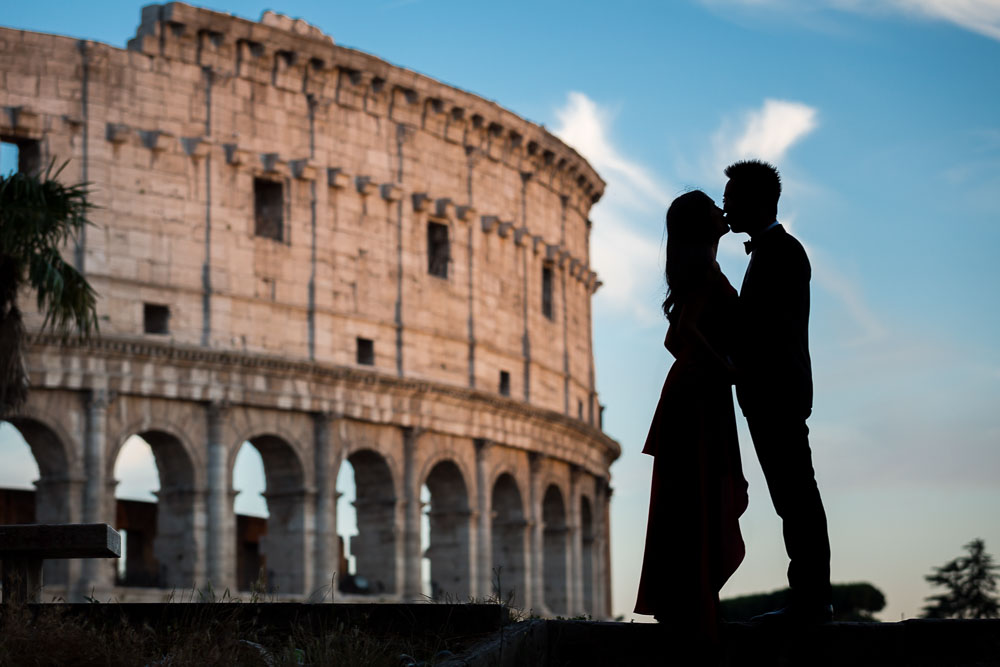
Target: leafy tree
[38,216]
[851,602]
[971,585]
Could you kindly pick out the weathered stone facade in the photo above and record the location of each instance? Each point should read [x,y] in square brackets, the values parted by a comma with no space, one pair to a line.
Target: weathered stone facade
[304,247]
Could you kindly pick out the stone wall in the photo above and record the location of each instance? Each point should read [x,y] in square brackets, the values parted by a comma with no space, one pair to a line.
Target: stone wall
[266,200]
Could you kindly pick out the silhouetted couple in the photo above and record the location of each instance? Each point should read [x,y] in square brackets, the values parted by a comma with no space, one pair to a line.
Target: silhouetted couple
[757,340]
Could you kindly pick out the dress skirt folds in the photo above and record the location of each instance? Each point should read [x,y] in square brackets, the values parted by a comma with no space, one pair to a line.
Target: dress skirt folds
[693,539]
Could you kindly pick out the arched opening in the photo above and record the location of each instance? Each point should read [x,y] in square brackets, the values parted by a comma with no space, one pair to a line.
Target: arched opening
[40,487]
[508,535]
[136,485]
[156,510]
[366,521]
[281,538]
[554,554]
[587,554]
[449,519]
[250,508]
[17,477]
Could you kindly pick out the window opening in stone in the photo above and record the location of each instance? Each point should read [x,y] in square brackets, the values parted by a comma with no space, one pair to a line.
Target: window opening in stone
[366,351]
[20,156]
[268,208]
[504,383]
[579,410]
[155,318]
[17,476]
[438,249]
[252,520]
[448,531]
[137,515]
[547,292]
[366,505]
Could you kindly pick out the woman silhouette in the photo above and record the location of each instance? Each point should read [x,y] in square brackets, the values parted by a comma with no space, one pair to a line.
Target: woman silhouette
[693,540]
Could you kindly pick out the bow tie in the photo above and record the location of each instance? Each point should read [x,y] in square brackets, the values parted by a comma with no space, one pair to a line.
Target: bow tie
[750,246]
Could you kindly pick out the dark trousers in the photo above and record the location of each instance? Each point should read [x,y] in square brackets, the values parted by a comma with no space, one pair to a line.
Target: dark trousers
[782,444]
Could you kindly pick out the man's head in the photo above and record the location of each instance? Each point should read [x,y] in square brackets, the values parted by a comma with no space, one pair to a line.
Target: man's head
[751,199]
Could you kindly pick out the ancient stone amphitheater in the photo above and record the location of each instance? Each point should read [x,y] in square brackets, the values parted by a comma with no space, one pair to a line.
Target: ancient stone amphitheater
[335,259]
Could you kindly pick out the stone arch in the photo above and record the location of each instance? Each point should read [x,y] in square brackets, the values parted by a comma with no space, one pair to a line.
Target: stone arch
[59,484]
[162,550]
[555,553]
[451,529]
[509,536]
[587,553]
[375,546]
[285,546]
[443,450]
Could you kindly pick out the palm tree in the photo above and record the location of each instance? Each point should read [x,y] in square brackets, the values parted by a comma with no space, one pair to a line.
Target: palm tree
[38,216]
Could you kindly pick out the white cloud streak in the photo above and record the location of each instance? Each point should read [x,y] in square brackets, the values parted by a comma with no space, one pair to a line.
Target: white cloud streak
[980,16]
[767,133]
[626,258]
[586,127]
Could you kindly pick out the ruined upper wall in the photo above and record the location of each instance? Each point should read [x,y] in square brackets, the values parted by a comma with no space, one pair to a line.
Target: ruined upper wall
[303,59]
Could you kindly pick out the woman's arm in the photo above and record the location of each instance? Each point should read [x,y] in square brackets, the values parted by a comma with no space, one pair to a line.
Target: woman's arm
[687,328]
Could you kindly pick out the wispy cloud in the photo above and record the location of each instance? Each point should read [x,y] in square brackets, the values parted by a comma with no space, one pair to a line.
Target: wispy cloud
[980,16]
[766,133]
[586,126]
[625,254]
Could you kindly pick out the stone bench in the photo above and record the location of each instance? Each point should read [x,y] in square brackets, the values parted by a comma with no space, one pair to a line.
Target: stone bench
[23,548]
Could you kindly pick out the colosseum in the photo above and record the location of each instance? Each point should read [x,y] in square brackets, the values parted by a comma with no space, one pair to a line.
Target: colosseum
[303,247]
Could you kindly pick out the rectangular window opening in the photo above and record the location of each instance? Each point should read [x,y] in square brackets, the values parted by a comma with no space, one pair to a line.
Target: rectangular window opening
[268,209]
[438,249]
[504,383]
[547,292]
[20,156]
[366,351]
[579,410]
[155,318]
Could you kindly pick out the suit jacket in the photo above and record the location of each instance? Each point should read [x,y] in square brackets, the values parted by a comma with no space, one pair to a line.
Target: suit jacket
[772,350]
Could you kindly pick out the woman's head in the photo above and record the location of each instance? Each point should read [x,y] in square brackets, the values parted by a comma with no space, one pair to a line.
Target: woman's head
[694,226]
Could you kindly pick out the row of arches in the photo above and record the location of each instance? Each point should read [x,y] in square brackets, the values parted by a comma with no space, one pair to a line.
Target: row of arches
[530,553]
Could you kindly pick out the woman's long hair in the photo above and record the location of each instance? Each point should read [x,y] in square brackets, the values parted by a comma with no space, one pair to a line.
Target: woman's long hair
[689,242]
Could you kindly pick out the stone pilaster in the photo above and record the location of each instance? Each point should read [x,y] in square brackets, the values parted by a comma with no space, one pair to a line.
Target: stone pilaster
[325,554]
[535,597]
[574,593]
[483,570]
[96,575]
[220,528]
[411,516]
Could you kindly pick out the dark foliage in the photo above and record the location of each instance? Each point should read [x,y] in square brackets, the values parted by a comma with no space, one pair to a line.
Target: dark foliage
[851,602]
[38,217]
[970,583]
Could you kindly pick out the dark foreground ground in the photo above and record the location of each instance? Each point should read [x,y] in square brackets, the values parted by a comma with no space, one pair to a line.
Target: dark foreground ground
[446,635]
[916,643]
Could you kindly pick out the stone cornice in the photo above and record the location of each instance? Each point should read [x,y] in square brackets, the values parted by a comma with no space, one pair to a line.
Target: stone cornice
[139,350]
[213,39]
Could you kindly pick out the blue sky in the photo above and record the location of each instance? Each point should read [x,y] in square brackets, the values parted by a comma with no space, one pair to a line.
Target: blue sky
[884,119]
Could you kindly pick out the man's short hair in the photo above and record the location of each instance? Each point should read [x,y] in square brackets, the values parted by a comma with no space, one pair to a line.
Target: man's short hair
[757,177]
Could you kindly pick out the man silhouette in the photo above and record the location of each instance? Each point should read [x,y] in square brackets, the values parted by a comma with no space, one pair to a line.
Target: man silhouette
[774,387]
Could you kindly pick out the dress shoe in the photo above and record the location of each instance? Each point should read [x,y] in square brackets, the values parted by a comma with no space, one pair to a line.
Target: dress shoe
[797,615]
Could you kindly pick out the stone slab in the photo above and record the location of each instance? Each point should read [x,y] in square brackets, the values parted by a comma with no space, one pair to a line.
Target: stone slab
[41,541]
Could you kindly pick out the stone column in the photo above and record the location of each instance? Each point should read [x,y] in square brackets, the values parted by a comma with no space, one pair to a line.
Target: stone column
[535,597]
[96,574]
[219,529]
[411,516]
[574,602]
[484,561]
[326,556]
[602,550]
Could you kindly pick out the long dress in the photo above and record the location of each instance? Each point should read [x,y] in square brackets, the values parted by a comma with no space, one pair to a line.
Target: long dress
[693,539]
